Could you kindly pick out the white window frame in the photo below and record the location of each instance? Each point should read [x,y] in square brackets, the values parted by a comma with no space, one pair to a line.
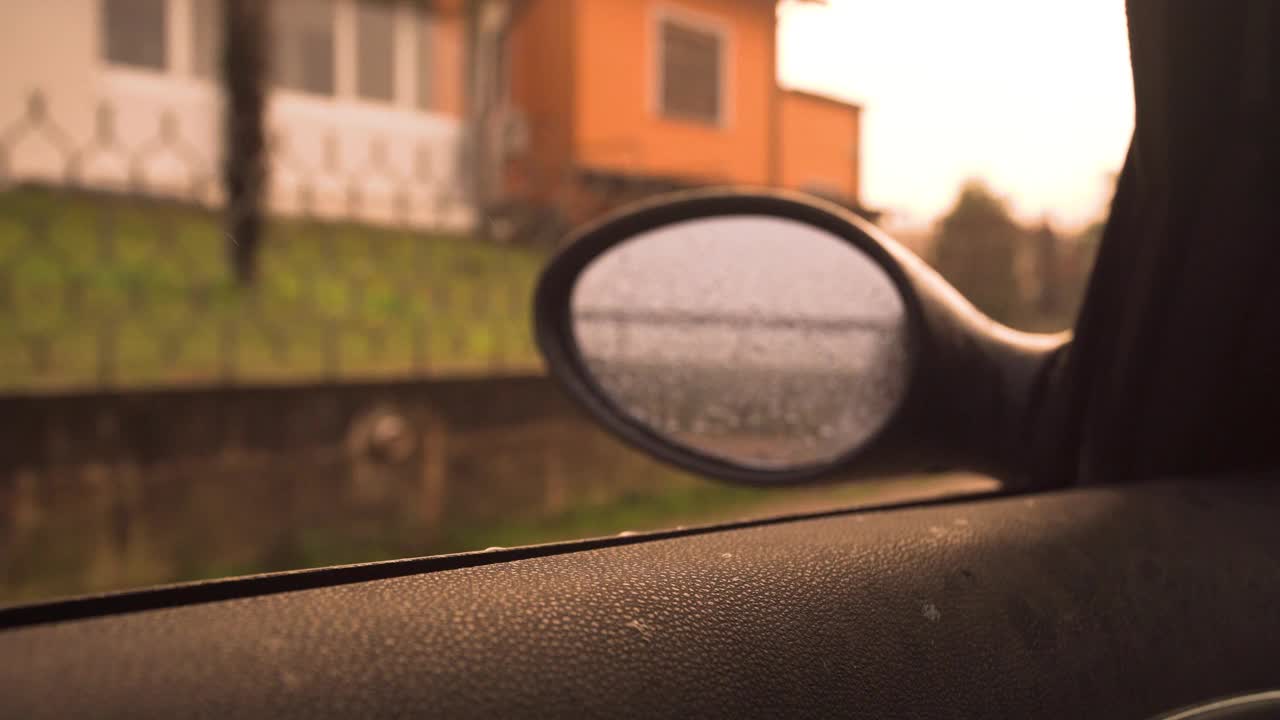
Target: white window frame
[213,34]
[410,26]
[701,22]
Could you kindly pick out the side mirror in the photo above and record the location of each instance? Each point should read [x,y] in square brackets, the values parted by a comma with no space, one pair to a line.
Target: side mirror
[772,339]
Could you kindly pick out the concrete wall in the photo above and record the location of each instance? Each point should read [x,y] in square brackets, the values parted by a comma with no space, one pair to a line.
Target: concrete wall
[114,490]
[71,117]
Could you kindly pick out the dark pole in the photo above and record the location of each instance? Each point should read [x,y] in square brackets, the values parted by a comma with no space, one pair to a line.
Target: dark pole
[244,72]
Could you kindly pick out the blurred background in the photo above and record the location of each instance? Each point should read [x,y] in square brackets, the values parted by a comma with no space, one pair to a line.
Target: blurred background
[266,266]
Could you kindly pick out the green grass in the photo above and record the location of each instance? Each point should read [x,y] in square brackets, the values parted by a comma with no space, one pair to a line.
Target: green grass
[693,503]
[116,292]
[641,510]
[55,562]
[690,503]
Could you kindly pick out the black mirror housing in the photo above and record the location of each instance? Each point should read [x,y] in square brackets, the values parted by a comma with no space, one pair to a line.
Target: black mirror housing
[973,388]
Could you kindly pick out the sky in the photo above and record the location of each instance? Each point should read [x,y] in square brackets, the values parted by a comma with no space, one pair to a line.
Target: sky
[1033,96]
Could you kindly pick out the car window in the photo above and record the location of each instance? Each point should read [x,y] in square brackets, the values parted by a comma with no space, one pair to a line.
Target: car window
[266,268]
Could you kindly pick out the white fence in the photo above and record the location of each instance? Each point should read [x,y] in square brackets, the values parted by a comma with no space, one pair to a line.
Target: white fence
[68,117]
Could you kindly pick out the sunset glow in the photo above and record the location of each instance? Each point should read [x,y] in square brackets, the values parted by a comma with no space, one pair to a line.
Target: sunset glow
[1034,97]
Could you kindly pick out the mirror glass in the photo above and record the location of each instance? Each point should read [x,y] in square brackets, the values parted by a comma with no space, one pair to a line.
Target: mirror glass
[762,341]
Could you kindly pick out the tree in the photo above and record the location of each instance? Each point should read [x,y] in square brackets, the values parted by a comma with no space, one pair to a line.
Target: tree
[1049,270]
[245,70]
[975,247]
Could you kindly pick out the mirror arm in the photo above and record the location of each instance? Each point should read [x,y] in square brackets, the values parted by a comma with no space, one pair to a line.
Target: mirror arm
[986,396]
[984,387]
[1027,364]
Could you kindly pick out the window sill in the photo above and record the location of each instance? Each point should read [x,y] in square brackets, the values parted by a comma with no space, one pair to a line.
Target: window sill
[691,121]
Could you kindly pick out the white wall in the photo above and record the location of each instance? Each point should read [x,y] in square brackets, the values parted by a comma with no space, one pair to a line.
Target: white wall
[45,44]
[336,157]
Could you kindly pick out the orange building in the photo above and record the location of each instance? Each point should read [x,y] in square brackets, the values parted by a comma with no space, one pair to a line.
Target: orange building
[821,145]
[661,94]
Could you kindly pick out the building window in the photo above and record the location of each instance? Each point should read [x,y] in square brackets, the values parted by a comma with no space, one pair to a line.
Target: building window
[375,51]
[692,72]
[134,33]
[302,44]
[425,64]
[206,35]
